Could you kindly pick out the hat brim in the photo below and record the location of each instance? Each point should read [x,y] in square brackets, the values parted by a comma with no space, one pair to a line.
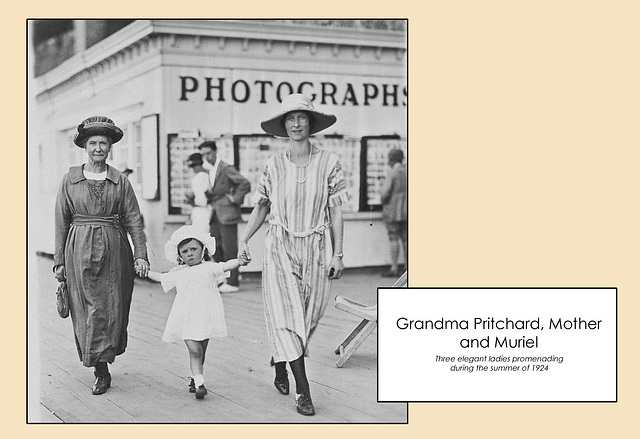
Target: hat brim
[320,121]
[114,133]
[186,232]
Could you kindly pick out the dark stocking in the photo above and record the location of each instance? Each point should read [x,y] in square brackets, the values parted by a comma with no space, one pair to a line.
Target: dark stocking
[281,369]
[299,373]
[101,369]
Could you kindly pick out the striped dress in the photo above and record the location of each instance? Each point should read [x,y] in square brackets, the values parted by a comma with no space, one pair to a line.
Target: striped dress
[298,247]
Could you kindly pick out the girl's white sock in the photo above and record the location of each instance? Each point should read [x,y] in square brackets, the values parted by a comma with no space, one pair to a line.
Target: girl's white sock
[198,379]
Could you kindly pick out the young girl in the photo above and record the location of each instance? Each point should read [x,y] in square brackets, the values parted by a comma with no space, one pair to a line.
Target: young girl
[197,313]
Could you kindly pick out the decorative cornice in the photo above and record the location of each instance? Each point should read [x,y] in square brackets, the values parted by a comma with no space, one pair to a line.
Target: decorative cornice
[264,30]
[145,36]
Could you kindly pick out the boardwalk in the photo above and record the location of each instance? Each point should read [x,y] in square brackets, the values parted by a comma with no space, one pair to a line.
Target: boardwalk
[150,379]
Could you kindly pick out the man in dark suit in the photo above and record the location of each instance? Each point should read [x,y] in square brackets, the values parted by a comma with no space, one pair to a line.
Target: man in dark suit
[225,195]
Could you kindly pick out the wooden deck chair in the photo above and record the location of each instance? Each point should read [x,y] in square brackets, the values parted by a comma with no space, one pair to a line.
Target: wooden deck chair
[369,322]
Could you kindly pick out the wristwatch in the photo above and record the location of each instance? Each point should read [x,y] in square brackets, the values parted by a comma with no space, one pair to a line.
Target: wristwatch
[338,255]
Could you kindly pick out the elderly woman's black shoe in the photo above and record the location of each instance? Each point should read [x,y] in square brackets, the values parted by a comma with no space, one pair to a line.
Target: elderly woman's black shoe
[304,404]
[101,385]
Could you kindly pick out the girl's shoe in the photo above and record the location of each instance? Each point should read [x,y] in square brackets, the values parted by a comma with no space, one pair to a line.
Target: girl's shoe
[201,391]
[192,385]
[304,404]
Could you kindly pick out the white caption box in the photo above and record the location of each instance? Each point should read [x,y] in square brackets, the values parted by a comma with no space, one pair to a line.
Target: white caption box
[497,344]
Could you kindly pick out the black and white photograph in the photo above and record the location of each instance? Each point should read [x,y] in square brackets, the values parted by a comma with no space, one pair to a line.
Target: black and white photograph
[212,205]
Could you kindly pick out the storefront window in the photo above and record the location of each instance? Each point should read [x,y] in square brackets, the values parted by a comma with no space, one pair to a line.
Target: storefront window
[136,149]
[376,159]
[364,162]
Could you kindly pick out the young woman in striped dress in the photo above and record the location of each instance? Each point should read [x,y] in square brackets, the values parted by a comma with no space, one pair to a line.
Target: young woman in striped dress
[303,189]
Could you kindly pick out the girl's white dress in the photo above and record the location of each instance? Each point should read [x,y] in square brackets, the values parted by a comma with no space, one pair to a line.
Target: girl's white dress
[197,312]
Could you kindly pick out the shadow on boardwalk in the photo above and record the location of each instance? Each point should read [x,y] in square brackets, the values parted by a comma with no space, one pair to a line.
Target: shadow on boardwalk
[150,379]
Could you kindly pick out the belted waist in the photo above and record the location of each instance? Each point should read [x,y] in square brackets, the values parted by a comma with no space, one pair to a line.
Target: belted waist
[100,220]
[320,229]
[96,220]
[324,230]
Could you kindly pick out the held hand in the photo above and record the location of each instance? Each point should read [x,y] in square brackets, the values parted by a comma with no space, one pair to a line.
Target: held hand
[336,267]
[60,273]
[141,267]
[244,256]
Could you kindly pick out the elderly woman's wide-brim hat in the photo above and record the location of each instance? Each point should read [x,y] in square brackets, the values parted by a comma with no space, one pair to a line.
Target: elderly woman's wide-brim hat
[188,232]
[297,102]
[97,126]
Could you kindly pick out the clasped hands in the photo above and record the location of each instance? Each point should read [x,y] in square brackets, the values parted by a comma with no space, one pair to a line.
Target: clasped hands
[244,256]
[141,267]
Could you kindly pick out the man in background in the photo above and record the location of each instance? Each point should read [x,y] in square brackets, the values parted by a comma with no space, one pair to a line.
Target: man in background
[225,195]
[395,210]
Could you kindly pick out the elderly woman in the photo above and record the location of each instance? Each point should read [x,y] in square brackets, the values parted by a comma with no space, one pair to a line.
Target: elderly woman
[95,208]
[303,188]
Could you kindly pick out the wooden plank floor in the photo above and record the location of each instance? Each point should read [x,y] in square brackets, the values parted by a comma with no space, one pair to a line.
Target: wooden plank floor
[150,379]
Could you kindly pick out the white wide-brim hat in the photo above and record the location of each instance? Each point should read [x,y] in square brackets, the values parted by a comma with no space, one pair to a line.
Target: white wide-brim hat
[188,232]
[297,102]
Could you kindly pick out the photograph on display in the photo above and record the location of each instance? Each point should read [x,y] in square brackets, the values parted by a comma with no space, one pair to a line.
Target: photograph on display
[276,152]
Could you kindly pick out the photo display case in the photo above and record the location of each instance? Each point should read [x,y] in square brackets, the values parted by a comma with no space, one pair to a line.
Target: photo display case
[375,158]
[363,160]
[180,175]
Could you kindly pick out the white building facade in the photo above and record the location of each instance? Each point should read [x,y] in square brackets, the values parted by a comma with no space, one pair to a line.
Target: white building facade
[170,84]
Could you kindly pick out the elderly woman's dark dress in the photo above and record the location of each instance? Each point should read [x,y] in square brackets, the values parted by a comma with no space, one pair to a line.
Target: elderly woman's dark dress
[91,219]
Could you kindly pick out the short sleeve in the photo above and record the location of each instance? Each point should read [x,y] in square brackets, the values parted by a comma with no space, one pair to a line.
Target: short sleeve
[261,196]
[337,186]
[216,272]
[168,281]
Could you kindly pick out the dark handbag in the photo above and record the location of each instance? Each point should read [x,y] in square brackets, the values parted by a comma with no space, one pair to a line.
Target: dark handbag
[62,300]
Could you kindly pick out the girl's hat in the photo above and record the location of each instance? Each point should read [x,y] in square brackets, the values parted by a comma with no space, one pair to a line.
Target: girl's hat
[97,126]
[188,232]
[297,102]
